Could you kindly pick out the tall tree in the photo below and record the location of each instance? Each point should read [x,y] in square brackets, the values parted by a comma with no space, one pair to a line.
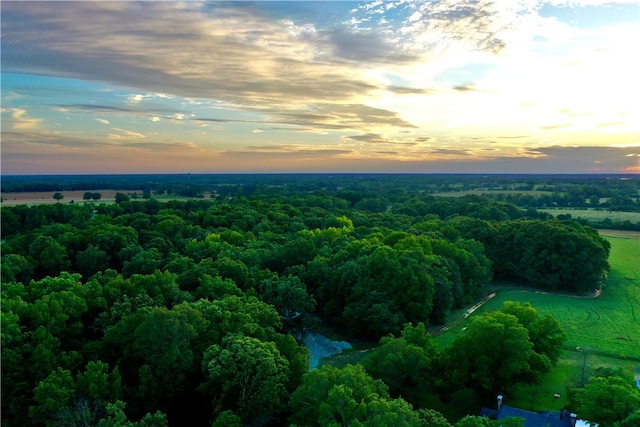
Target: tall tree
[245,375]
[545,333]
[605,400]
[492,355]
[404,363]
[332,396]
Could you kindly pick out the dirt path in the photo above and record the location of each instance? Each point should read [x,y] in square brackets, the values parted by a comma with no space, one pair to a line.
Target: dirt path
[483,301]
[465,315]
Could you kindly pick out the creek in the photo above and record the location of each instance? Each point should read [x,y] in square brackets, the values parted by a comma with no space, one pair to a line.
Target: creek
[320,346]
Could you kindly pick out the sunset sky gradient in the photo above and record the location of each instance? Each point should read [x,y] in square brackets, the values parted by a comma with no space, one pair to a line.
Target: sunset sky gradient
[511,86]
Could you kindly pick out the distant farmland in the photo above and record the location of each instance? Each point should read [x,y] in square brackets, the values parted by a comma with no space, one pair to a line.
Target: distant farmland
[596,214]
[37,197]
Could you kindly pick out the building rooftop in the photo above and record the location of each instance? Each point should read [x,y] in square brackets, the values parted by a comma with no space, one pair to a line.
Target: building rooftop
[536,419]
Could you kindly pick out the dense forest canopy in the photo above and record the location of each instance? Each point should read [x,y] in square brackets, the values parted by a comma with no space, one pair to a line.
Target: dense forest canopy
[147,312]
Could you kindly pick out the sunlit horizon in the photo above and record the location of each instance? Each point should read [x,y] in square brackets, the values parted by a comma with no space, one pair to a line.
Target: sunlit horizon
[524,86]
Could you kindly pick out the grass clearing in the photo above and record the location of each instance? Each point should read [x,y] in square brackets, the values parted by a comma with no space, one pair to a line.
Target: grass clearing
[605,329]
[567,373]
[607,325]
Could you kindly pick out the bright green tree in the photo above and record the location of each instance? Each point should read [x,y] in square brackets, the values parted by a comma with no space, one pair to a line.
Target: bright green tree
[545,333]
[227,419]
[605,400]
[492,355]
[245,375]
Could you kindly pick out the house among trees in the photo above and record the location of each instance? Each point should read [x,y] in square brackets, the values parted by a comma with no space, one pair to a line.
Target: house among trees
[563,418]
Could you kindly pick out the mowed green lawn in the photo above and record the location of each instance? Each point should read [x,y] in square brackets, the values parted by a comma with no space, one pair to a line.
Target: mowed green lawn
[608,324]
[603,331]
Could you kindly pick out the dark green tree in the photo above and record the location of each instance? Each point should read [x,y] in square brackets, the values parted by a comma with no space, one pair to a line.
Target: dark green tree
[51,257]
[121,197]
[404,363]
[290,298]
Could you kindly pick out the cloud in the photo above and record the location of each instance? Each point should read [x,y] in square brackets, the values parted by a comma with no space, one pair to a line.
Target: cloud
[466,73]
[32,142]
[236,55]
[464,88]
[552,127]
[402,90]
[608,158]
[129,134]
[610,124]
[372,138]
[324,116]
[451,151]
[369,138]
[366,46]
[93,108]
[20,120]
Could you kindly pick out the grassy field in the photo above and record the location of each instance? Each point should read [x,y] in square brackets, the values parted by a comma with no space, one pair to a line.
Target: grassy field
[108,196]
[609,324]
[596,214]
[602,331]
[46,197]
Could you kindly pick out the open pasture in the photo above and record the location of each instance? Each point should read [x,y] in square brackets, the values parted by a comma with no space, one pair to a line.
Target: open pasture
[596,214]
[46,197]
[602,331]
[107,196]
[608,325]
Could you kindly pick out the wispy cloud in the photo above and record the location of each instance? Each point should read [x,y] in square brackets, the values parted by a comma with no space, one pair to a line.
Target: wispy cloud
[558,126]
[128,133]
[442,79]
[20,120]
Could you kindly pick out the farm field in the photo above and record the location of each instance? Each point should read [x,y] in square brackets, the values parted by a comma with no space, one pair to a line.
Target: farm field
[608,325]
[595,214]
[602,331]
[46,197]
[108,196]
[480,192]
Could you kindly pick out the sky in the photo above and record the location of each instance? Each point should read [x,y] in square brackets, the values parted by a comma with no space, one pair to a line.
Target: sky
[400,86]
